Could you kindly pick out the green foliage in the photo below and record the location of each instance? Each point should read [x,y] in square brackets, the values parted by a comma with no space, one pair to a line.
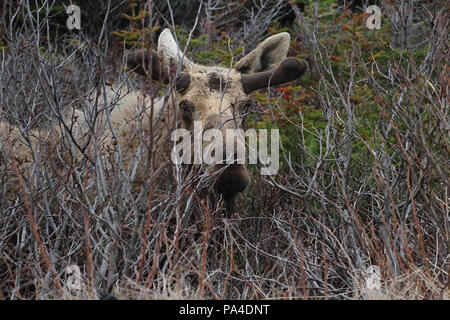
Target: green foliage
[208,53]
[297,113]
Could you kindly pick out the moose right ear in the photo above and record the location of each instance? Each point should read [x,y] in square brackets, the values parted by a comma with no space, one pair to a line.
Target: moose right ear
[139,62]
[267,55]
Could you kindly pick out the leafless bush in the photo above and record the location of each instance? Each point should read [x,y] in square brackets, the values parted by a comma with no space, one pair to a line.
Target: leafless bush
[388,208]
[312,231]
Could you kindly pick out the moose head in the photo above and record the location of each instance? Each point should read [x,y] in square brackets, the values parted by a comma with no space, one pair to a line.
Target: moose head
[217,96]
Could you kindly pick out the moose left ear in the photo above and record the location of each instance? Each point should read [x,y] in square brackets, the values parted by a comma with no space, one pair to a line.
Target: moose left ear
[267,55]
[139,62]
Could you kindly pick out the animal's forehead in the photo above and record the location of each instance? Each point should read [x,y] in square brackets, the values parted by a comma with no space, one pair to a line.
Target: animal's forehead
[209,81]
[205,73]
[200,69]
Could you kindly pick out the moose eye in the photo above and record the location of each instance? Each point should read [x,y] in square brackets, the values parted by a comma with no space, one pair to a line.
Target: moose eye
[187,108]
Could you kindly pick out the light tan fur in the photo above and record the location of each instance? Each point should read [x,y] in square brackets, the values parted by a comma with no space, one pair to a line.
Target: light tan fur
[214,95]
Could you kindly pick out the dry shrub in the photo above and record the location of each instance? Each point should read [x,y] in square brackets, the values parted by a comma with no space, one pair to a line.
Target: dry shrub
[364,183]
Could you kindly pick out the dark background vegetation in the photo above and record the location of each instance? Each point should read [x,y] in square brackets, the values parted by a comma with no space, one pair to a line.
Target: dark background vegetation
[364,177]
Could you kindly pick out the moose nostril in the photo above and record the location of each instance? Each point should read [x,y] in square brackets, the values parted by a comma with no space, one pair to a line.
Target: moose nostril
[187,109]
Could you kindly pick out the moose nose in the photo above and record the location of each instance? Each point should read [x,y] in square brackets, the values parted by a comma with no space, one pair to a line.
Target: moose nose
[232,180]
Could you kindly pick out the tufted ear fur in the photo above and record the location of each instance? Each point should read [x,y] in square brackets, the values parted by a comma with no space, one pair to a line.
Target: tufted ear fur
[169,51]
[267,55]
